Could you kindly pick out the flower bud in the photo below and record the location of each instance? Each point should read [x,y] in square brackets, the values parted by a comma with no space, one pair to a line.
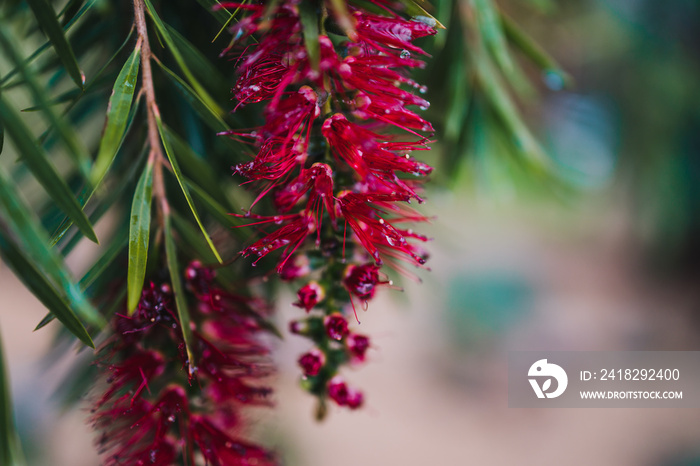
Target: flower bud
[310,295]
[357,345]
[312,362]
[336,326]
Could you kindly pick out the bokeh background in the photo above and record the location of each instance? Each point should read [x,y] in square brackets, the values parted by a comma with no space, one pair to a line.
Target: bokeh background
[602,253]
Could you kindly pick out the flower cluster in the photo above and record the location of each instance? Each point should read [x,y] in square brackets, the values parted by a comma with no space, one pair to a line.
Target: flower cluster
[334,152]
[153,410]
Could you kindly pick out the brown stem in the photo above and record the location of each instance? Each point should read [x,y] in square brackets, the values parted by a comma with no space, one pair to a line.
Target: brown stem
[155,156]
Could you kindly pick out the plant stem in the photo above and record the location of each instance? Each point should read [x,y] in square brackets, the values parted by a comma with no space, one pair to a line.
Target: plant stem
[155,156]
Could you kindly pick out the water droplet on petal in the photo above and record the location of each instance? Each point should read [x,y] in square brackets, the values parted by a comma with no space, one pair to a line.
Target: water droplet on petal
[405,54]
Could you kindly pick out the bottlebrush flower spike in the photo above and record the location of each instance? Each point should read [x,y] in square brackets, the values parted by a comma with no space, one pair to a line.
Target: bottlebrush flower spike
[150,413]
[328,161]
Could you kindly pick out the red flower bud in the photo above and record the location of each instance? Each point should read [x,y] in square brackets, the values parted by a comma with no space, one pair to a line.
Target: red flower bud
[310,295]
[312,362]
[336,326]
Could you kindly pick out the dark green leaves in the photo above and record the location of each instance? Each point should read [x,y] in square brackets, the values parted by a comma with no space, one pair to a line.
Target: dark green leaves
[117,114]
[74,147]
[42,288]
[37,261]
[10,448]
[42,168]
[139,234]
[46,17]
[183,312]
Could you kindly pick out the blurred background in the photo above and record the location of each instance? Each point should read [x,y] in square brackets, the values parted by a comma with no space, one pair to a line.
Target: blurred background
[600,251]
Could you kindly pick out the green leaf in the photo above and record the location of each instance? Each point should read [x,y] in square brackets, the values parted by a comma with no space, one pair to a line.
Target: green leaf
[180,301]
[534,52]
[201,67]
[42,168]
[218,211]
[105,261]
[211,118]
[10,447]
[46,17]
[198,88]
[195,165]
[27,230]
[118,112]
[74,147]
[42,288]
[221,14]
[67,223]
[309,15]
[139,234]
[46,45]
[343,17]
[183,186]
[492,34]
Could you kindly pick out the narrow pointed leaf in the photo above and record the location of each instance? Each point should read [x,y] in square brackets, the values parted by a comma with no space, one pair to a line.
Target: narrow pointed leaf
[118,112]
[183,186]
[535,53]
[189,76]
[67,223]
[343,17]
[139,234]
[46,17]
[309,21]
[46,45]
[105,261]
[42,168]
[217,211]
[10,447]
[210,117]
[42,288]
[176,282]
[35,242]
[201,67]
[222,15]
[74,147]
[196,166]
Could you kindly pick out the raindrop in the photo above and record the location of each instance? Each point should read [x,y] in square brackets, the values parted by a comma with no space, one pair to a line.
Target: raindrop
[423,89]
[405,54]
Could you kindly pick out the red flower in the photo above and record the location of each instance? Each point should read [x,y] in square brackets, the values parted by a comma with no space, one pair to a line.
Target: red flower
[150,401]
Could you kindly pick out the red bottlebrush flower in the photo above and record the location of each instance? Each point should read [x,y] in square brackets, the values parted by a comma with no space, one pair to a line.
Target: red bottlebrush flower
[309,296]
[150,399]
[336,326]
[312,362]
[324,152]
[358,345]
